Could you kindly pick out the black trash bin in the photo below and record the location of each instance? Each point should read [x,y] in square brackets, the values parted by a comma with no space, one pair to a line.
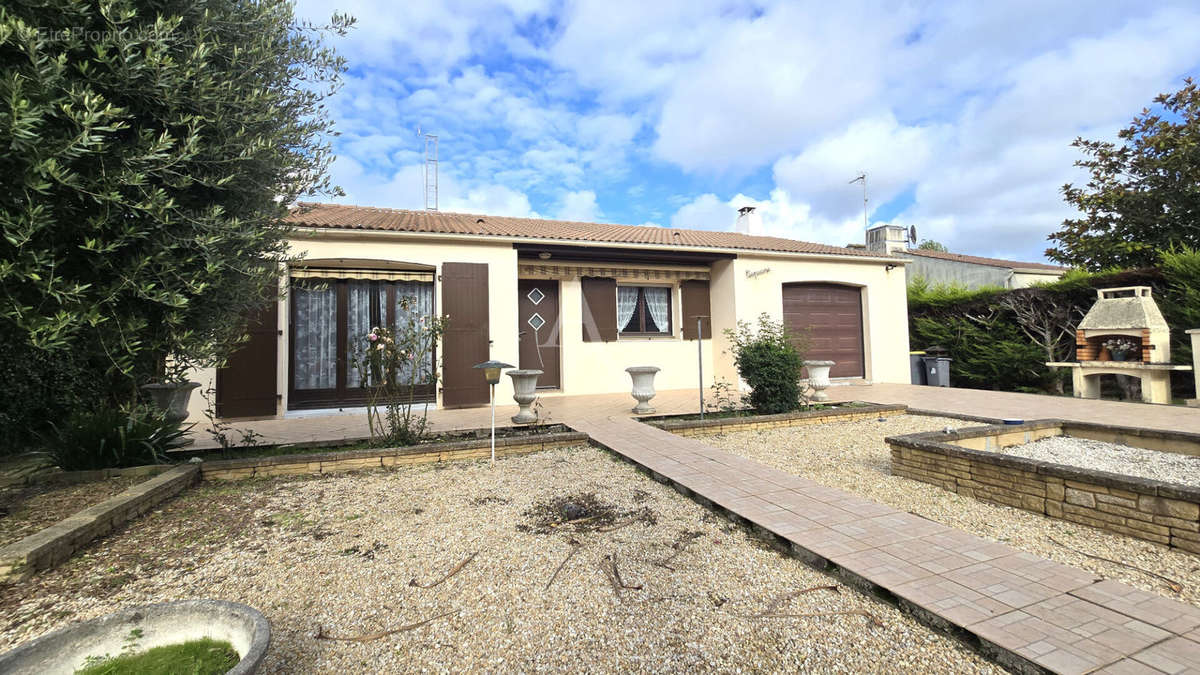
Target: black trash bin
[937,371]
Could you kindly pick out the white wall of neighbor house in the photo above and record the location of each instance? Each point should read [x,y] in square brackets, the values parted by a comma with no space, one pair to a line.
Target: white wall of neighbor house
[755,286]
[1025,279]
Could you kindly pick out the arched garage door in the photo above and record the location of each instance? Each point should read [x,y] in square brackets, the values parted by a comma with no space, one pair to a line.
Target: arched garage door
[831,316]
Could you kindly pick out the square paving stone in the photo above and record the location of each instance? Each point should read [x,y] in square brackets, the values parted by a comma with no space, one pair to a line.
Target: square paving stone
[1176,656]
[1068,635]
[1170,615]
[881,568]
[826,543]
[1020,579]
[944,551]
[952,602]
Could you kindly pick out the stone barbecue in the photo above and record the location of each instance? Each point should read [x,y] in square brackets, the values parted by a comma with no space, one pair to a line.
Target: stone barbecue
[1127,312]
[1124,333]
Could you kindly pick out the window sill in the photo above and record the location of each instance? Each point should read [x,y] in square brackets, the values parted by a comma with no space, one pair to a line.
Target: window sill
[642,337]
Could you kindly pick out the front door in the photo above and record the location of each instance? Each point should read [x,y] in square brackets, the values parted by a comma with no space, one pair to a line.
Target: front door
[538,329]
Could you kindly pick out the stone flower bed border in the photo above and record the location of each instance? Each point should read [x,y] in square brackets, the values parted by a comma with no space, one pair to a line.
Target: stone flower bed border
[964,461]
[715,425]
[49,547]
[374,458]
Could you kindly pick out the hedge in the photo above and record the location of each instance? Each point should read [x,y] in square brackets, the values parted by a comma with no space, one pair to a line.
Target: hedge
[1001,339]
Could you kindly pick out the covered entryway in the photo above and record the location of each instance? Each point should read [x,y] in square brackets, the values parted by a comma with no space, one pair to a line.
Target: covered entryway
[831,316]
[538,329]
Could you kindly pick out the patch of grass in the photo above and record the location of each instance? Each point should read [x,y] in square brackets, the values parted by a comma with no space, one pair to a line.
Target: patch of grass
[196,657]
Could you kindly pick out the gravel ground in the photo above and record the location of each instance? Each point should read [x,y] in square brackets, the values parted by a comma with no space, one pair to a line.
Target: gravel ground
[852,456]
[336,555]
[1114,457]
[25,510]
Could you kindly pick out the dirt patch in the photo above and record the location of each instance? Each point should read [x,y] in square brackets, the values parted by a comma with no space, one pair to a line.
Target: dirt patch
[583,512]
[27,509]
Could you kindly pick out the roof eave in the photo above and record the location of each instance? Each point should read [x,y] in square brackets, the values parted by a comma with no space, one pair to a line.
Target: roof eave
[318,231]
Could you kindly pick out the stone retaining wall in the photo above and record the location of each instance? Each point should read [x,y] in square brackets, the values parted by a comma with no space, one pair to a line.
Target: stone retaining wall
[1160,512]
[351,460]
[718,425]
[56,543]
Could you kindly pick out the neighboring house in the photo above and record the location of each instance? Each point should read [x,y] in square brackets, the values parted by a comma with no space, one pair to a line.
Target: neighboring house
[938,267]
[580,301]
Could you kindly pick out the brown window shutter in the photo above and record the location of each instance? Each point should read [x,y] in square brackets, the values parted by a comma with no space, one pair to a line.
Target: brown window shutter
[695,303]
[599,309]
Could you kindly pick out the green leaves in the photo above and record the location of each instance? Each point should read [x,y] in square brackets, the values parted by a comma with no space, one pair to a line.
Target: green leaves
[1143,195]
[149,152]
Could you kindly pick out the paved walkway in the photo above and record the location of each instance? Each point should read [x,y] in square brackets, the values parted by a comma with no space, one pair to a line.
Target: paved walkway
[1024,406]
[1027,612]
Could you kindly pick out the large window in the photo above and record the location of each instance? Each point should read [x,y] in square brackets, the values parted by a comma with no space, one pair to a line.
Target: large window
[644,310]
[329,324]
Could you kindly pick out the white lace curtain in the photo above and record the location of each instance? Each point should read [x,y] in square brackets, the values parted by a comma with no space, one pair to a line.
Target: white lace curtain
[627,297]
[359,301]
[658,303]
[315,342]
[420,306]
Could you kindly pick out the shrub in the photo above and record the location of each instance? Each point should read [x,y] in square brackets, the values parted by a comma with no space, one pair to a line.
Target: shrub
[112,438]
[769,359]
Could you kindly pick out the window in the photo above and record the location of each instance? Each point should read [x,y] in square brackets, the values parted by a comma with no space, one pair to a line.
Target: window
[644,310]
[330,320]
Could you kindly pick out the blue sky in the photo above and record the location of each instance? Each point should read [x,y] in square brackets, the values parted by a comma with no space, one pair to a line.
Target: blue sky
[676,113]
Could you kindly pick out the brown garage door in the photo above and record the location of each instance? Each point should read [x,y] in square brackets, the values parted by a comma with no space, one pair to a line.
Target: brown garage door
[831,316]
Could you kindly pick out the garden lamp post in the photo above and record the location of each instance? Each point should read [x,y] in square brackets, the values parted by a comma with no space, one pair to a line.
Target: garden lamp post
[700,356]
[491,373]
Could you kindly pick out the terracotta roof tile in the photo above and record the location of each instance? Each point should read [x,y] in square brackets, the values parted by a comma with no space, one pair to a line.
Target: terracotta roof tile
[992,262]
[338,216]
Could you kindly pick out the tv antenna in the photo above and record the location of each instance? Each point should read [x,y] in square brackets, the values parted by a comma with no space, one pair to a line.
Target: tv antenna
[431,171]
[862,178]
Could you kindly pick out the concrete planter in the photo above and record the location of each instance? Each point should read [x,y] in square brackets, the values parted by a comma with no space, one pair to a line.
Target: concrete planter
[66,650]
[643,387]
[171,397]
[818,378]
[524,393]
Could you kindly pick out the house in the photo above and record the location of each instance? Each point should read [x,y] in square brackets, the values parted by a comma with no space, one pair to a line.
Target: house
[940,267]
[579,301]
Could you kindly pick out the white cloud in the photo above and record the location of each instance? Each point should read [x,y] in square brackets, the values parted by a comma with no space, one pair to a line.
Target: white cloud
[403,188]
[581,206]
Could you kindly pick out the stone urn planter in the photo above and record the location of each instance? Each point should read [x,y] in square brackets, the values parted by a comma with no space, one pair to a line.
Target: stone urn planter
[166,623]
[818,378]
[524,393]
[171,397]
[643,387]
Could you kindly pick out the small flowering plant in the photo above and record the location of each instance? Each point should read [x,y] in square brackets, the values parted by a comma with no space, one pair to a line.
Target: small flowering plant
[1120,347]
[392,364]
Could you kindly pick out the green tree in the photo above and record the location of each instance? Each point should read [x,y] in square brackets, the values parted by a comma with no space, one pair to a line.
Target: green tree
[1143,196]
[151,150]
[931,245]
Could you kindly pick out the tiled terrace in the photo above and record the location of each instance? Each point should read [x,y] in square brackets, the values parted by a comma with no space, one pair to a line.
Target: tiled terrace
[1031,614]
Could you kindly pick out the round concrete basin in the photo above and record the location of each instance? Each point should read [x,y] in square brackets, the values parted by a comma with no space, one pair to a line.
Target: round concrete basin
[66,650]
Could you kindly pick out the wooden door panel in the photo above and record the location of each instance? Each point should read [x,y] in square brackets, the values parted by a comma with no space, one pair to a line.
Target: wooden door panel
[541,347]
[246,385]
[466,341]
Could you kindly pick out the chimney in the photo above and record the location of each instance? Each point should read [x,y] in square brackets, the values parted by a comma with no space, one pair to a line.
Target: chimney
[887,239]
[748,221]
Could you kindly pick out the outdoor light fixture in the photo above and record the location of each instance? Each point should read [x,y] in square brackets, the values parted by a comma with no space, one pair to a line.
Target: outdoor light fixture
[491,373]
[544,255]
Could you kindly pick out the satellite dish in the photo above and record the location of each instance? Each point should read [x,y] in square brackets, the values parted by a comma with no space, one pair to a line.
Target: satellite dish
[912,234]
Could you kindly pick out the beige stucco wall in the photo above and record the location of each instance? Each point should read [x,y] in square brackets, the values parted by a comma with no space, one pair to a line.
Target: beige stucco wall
[599,367]
[755,284]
